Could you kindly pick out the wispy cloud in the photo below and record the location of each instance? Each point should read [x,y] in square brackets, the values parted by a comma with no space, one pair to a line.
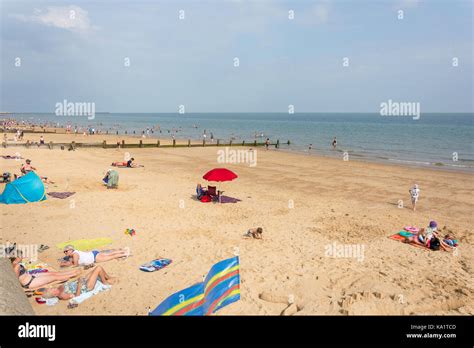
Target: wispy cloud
[72,18]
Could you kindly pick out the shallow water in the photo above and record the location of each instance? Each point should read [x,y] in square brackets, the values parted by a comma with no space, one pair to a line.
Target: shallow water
[438,140]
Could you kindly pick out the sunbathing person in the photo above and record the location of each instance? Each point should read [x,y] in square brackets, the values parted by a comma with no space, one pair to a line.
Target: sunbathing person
[78,258]
[422,237]
[448,243]
[32,281]
[427,237]
[256,233]
[127,164]
[26,168]
[75,288]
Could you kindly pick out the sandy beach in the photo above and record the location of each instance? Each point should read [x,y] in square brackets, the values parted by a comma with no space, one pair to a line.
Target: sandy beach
[304,204]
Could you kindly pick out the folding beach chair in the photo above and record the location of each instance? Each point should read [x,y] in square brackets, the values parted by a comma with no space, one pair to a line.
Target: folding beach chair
[213,192]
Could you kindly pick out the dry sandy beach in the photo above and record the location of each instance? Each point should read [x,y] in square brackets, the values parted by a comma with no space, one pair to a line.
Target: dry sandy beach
[304,203]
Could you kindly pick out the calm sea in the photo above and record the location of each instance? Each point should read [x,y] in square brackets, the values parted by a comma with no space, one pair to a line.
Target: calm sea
[440,140]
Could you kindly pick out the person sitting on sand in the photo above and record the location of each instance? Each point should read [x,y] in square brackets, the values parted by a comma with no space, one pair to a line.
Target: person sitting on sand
[6,177]
[77,257]
[26,168]
[426,236]
[32,281]
[256,233]
[72,289]
[200,191]
[111,179]
[106,177]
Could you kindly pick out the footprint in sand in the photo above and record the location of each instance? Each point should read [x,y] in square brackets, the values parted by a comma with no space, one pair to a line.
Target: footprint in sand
[292,308]
[366,303]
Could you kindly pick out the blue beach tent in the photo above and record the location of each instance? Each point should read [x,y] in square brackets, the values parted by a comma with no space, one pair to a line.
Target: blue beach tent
[26,189]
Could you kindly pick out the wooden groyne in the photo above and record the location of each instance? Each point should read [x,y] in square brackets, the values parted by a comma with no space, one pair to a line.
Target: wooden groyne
[140,144]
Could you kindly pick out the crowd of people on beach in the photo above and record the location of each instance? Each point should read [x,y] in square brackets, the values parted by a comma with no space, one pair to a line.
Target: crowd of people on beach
[66,284]
[12,124]
[83,275]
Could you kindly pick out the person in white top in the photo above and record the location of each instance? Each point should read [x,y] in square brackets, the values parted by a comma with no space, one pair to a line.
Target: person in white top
[414,194]
[79,258]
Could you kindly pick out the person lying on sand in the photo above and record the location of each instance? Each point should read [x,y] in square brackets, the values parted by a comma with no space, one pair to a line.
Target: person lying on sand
[75,288]
[449,242]
[32,281]
[256,233]
[128,164]
[79,258]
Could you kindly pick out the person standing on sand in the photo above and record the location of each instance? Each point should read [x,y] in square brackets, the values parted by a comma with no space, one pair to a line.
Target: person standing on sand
[334,143]
[267,143]
[414,195]
[310,147]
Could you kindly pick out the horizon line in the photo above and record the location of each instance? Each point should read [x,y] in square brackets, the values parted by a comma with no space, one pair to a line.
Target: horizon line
[231,112]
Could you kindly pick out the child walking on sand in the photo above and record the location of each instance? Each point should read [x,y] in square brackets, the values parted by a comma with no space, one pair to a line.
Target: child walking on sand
[414,194]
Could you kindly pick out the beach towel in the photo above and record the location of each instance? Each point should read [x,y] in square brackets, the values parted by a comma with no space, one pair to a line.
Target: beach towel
[86,244]
[36,266]
[399,236]
[220,288]
[113,179]
[99,287]
[61,195]
[49,301]
[155,265]
[119,164]
[227,199]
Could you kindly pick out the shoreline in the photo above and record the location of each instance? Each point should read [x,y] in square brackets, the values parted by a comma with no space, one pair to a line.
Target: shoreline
[112,139]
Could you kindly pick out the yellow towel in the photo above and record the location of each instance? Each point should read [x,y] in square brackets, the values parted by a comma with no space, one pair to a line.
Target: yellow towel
[86,244]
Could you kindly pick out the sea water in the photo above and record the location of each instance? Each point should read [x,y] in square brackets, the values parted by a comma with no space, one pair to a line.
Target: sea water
[439,140]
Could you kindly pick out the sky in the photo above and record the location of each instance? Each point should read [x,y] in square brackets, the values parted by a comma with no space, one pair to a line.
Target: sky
[140,56]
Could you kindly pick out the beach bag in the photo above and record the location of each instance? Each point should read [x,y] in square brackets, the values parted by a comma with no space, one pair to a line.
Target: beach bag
[206,199]
[434,243]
